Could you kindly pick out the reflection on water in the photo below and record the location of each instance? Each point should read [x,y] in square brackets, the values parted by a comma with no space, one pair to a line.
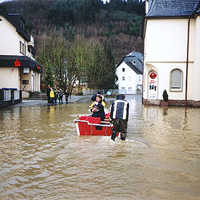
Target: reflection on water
[41,157]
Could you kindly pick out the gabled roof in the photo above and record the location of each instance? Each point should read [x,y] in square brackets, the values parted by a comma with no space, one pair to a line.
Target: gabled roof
[18,22]
[135,61]
[172,8]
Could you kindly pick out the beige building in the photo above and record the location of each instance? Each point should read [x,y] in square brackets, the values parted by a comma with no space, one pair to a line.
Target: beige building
[172,52]
[18,67]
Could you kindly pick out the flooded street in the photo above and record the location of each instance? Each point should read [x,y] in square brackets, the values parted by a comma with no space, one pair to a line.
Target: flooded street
[41,156]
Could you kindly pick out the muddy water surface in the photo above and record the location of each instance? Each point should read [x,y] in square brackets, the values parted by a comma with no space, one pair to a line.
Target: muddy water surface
[41,157]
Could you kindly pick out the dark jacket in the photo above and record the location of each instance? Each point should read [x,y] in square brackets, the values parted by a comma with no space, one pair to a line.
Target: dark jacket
[48,91]
[93,98]
[100,113]
[120,110]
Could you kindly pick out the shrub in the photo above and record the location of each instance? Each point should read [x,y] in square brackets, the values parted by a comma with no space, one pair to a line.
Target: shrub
[165,96]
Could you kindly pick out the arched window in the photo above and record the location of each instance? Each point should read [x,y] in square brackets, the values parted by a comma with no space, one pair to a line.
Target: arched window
[176,79]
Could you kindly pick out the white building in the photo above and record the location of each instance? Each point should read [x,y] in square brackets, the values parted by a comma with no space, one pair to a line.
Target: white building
[172,52]
[129,73]
[18,68]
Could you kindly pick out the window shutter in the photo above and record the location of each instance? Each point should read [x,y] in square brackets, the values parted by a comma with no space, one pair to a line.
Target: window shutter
[176,79]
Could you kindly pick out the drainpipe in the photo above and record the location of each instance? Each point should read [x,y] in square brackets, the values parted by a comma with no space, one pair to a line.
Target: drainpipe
[187,60]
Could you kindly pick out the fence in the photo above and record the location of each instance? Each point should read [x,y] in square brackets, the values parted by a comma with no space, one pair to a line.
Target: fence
[10,96]
[91,92]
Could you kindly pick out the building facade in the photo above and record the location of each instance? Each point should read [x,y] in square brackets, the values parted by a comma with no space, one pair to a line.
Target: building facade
[172,52]
[129,73]
[18,68]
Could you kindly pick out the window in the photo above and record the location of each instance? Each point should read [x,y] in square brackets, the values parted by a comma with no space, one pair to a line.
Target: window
[32,50]
[123,69]
[176,79]
[123,78]
[26,70]
[25,82]
[22,48]
[133,62]
[21,25]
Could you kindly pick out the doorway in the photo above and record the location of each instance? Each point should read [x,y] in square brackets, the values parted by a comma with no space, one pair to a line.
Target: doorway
[153,85]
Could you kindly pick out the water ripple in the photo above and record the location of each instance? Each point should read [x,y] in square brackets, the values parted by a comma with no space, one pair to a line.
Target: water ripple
[41,157]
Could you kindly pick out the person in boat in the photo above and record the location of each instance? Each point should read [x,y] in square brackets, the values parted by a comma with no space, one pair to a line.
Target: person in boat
[98,109]
[119,115]
[93,98]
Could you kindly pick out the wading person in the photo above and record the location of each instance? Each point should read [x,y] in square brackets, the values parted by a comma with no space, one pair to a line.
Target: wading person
[119,115]
[60,96]
[52,96]
[55,95]
[66,97]
[48,93]
[98,109]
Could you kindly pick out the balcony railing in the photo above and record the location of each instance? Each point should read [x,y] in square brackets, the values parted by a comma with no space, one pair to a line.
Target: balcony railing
[10,96]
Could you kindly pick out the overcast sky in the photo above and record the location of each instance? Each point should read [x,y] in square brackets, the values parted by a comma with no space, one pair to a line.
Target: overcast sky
[3,1]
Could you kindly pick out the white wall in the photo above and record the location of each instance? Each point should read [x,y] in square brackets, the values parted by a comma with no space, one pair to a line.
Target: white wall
[166,40]
[9,78]
[9,39]
[146,6]
[139,79]
[36,84]
[194,72]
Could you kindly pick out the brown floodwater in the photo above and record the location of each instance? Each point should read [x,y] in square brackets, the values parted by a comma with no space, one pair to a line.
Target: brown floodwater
[41,157]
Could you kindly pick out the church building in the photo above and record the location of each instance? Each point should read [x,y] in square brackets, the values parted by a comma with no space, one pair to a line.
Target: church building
[172,52]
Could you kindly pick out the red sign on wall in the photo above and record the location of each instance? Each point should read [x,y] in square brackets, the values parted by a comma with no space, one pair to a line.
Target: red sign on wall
[38,67]
[153,75]
[17,63]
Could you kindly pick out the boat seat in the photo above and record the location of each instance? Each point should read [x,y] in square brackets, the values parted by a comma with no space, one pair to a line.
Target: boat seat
[93,120]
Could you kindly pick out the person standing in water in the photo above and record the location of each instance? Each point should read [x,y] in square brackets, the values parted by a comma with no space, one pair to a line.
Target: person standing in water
[60,96]
[48,93]
[66,96]
[119,115]
[52,96]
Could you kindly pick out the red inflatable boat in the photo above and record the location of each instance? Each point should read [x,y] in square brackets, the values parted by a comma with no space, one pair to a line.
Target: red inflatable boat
[86,125]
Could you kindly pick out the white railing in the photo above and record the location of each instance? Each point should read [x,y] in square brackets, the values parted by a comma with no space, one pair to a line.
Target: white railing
[16,95]
[7,95]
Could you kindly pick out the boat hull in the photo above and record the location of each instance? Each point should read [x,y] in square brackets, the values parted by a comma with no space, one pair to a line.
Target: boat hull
[93,126]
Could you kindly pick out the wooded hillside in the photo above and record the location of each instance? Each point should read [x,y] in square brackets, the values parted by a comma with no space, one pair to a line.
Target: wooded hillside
[119,22]
[81,39]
